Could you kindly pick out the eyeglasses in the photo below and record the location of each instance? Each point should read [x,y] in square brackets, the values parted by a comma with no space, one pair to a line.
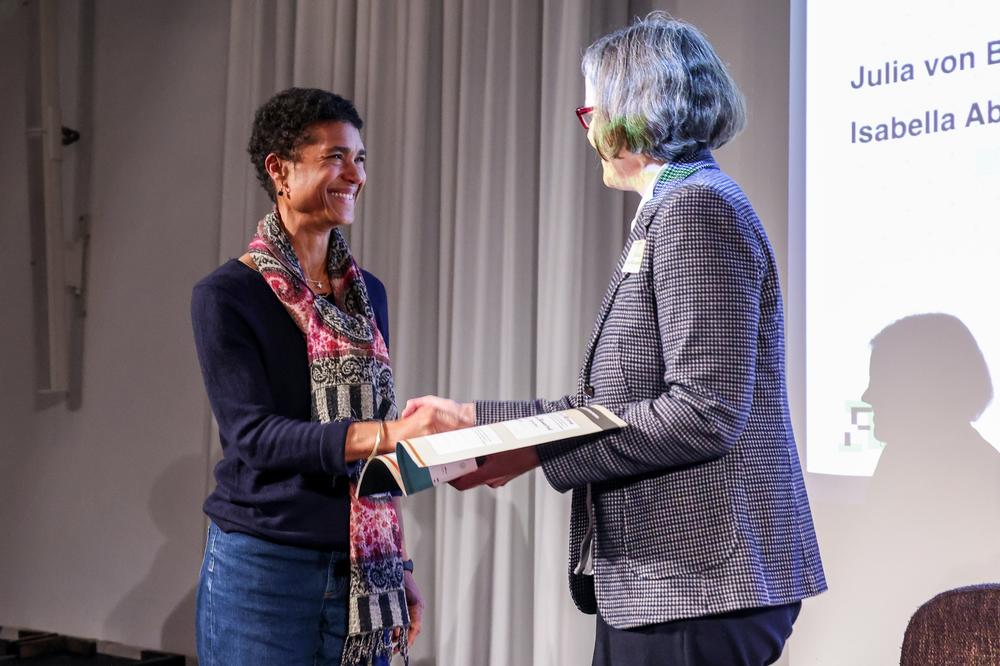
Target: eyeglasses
[585,114]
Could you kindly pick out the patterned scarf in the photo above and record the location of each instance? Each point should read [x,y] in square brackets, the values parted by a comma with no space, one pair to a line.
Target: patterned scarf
[350,378]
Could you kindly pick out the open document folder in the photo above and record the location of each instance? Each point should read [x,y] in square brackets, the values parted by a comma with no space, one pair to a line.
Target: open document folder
[423,462]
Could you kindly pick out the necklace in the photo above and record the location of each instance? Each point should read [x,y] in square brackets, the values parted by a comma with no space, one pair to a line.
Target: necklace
[318,289]
[311,281]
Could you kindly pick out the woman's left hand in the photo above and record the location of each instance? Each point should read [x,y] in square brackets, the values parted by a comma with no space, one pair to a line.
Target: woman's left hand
[415,604]
[499,468]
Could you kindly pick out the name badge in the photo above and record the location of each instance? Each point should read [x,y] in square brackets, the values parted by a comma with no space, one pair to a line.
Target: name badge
[634,259]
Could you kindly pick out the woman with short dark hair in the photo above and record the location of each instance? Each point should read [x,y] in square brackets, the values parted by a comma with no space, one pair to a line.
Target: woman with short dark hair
[292,338]
[691,536]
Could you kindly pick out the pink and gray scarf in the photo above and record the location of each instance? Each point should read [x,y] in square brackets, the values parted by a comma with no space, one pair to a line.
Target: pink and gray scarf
[351,378]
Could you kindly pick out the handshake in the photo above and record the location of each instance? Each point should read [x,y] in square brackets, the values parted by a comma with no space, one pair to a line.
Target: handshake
[431,414]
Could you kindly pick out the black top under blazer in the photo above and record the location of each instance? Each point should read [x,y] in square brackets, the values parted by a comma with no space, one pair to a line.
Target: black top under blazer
[699,505]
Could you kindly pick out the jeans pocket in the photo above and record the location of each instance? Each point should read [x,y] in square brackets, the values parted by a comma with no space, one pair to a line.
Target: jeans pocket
[208,564]
[339,577]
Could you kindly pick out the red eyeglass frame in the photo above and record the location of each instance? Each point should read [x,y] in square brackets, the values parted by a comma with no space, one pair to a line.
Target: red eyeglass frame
[581,111]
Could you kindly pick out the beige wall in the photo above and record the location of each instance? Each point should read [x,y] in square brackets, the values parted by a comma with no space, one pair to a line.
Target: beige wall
[100,506]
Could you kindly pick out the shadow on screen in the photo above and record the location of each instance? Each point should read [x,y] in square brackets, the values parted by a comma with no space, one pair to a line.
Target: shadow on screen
[928,381]
[927,376]
[928,519]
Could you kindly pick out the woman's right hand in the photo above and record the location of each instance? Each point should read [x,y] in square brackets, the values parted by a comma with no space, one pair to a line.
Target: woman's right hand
[463,412]
[422,416]
[429,415]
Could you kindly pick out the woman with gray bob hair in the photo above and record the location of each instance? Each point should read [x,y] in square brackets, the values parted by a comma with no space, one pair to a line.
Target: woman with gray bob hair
[662,90]
[691,537]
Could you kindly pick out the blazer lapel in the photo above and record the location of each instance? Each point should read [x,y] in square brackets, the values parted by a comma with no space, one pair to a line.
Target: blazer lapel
[672,175]
[638,231]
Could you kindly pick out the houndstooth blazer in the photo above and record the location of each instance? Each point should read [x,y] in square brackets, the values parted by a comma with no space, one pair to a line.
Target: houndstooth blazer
[698,507]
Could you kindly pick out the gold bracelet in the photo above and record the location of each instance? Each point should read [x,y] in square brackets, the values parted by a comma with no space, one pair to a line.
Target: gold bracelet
[378,440]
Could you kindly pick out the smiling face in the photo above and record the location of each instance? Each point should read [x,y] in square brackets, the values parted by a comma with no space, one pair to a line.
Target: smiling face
[323,183]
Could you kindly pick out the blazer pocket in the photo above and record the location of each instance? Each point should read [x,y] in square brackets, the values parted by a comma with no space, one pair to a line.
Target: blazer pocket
[680,522]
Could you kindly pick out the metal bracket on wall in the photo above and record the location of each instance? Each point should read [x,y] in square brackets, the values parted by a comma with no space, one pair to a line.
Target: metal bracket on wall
[59,243]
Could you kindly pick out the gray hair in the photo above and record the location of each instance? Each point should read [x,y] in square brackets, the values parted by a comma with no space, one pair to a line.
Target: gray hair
[661,90]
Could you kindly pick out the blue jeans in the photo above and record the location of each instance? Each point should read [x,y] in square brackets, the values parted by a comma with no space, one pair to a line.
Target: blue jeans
[265,604]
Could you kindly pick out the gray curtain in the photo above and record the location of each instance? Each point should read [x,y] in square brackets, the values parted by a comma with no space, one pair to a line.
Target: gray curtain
[487,220]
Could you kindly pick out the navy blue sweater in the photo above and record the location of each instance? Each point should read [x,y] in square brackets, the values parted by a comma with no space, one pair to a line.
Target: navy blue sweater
[282,476]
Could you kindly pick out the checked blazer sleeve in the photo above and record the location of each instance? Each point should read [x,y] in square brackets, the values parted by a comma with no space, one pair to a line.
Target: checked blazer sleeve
[491,411]
[707,266]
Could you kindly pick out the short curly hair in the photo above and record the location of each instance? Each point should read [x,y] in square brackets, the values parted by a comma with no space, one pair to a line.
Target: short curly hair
[281,125]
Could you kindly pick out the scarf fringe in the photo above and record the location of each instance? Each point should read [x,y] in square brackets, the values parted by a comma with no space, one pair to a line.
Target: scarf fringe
[361,649]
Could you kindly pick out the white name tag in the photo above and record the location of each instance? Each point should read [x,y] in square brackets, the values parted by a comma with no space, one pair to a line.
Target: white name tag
[634,259]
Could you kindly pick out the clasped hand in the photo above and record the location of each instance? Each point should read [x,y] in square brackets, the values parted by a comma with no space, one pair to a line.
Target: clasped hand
[498,468]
